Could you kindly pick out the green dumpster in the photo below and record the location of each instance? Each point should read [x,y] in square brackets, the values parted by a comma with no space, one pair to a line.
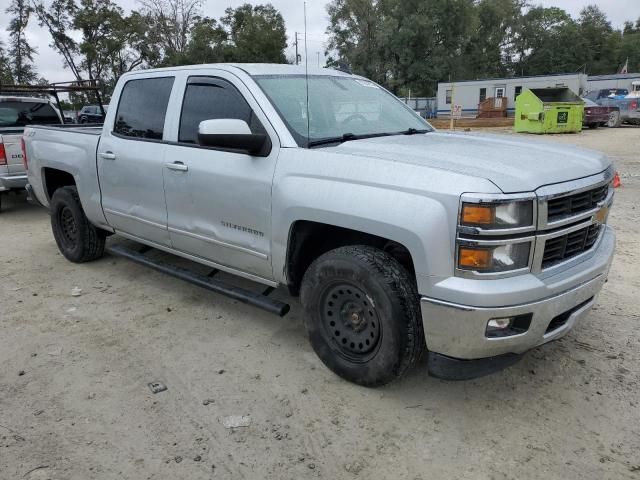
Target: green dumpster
[548,110]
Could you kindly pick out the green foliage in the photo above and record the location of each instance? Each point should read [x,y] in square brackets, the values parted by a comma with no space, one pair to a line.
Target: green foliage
[244,34]
[20,53]
[6,76]
[255,34]
[207,44]
[97,41]
[414,44]
[629,48]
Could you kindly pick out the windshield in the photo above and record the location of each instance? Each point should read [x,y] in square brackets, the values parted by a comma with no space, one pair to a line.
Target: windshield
[338,107]
[20,114]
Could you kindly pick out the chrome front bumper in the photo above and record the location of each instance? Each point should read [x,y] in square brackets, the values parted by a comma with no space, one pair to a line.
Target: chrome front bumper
[11,182]
[459,331]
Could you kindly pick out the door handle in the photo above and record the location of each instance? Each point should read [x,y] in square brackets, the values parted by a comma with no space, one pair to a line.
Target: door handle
[108,155]
[177,166]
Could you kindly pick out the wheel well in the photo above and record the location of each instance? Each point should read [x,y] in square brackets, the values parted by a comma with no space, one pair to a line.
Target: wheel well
[308,240]
[54,179]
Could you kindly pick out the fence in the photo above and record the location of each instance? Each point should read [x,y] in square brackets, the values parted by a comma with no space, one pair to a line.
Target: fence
[427,107]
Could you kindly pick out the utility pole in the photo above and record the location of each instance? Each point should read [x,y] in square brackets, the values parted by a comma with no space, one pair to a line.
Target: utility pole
[296,44]
[318,53]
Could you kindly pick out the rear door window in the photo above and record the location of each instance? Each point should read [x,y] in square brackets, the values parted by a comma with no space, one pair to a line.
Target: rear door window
[142,108]
[208,98]
[20,114]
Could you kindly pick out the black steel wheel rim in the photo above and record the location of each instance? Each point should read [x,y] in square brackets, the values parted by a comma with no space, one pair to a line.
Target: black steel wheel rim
[68,227]
[351,320]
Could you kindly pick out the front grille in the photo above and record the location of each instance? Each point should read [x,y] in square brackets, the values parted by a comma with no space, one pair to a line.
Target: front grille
[563,207]
[562,248]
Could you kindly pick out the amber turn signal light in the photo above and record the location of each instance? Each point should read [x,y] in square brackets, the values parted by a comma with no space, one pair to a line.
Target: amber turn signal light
[473,214]
[474,257]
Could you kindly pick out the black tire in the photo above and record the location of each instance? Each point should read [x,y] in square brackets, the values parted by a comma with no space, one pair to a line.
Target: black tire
[78,240]
[614,120]
[593,126]
[362,314]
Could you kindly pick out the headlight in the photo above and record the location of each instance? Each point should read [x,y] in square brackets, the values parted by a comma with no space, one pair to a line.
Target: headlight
[493,258]
[498,215]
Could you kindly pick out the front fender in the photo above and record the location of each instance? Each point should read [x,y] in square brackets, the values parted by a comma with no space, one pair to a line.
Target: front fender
[420,224]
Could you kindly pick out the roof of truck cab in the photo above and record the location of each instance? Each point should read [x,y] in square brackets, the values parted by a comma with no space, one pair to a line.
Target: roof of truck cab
[13,98]
[252,69]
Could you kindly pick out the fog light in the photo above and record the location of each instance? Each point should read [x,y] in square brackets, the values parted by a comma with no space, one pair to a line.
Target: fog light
[508,326]
[498,323]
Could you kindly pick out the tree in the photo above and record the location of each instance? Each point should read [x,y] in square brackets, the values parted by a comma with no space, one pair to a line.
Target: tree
[207,44]
[356,32]
[493,49]
[409,44]
[20,52]
[57,18]
[255,34]
[111,44]
[542,44]
[171,23]
[596,41]
[108,42]
[5,66]
[629,48]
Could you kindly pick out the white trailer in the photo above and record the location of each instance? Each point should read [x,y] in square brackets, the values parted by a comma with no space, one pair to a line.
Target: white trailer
[469,93]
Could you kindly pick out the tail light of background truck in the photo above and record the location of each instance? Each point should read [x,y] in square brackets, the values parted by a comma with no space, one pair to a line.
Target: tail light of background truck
[3,153]
[24,154]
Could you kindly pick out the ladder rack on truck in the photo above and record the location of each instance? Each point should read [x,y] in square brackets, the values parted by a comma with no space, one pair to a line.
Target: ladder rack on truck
[54,89]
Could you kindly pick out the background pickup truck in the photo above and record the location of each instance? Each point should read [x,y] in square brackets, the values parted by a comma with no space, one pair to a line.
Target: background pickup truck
[398,239]
[15,114]
[629,108]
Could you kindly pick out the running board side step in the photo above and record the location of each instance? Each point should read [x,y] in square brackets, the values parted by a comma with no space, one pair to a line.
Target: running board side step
[259,300]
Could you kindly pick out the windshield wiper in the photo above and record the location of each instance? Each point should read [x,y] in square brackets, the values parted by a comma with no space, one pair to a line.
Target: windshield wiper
[345,137]
[413,131]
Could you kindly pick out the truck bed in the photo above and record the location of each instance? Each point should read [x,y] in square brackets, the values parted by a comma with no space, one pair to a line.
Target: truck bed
[71,149]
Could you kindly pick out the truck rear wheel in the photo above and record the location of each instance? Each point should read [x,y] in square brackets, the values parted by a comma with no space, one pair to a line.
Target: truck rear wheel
[78,240]
[362,314]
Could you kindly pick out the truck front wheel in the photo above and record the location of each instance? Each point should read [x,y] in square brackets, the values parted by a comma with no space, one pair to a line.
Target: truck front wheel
[362,314]
[78,240]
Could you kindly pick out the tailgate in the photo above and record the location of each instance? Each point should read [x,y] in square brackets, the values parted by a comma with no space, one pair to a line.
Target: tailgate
[13,149]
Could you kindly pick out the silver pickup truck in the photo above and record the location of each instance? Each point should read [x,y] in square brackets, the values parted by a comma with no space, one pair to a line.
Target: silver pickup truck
[399,239]
[15,113]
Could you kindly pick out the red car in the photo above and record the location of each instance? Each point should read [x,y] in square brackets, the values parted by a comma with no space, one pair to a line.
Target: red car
[599,116]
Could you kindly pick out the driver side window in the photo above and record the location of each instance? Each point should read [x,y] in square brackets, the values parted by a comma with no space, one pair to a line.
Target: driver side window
[207,98]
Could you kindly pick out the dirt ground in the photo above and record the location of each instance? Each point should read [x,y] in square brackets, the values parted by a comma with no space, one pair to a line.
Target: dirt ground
[74,375]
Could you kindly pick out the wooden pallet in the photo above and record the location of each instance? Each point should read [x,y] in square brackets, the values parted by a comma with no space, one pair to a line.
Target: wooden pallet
[443,123]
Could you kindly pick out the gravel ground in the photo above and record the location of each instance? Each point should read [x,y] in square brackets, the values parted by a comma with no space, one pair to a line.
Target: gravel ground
[74,375]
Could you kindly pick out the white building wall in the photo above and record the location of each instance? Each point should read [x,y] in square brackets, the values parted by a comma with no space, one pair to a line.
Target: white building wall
[467,93]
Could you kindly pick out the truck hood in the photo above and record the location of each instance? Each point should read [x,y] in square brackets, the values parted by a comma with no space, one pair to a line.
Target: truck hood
[513,165]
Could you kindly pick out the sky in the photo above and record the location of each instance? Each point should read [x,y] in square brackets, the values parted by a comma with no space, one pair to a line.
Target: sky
[49,63]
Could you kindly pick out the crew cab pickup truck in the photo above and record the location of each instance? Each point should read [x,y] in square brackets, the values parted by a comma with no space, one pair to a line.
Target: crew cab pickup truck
[398,238]
[15,114]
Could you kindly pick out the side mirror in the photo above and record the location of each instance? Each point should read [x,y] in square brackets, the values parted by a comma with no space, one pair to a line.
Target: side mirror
[233,134]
